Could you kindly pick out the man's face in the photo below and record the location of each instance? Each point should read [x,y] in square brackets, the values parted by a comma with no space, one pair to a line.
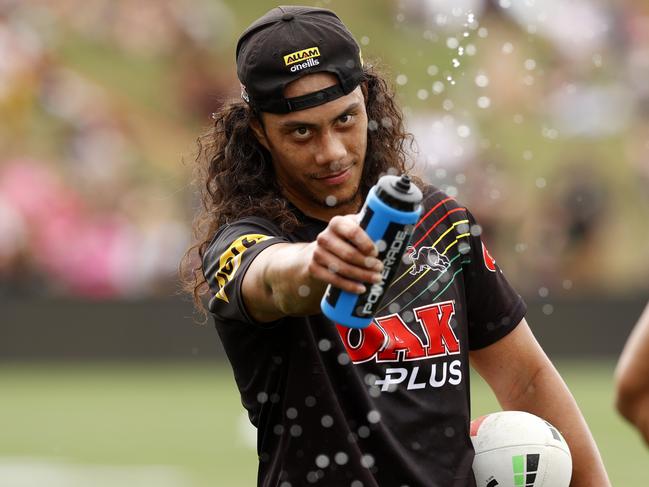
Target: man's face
[318,153]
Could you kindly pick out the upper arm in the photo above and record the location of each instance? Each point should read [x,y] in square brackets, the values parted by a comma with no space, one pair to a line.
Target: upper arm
[511,364]
[632,372]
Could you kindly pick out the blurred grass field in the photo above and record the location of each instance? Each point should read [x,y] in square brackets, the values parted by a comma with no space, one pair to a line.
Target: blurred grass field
[180,424]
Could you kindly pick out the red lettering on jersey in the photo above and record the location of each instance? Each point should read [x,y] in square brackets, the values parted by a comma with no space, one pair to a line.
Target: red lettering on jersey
[399,338]
[489,261]
[364,347]
[436,319]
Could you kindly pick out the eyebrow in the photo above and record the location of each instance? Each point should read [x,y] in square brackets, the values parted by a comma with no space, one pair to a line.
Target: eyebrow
[291,124]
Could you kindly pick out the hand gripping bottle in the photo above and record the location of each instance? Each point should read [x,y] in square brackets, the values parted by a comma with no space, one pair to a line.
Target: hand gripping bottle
[388,216]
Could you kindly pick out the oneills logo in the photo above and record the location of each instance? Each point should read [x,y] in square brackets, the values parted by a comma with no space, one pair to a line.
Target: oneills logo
[303,55]
[230,261]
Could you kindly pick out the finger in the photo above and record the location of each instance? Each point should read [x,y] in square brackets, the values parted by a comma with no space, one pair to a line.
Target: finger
[347,228]
[343,269]
[344,250]
[325,275]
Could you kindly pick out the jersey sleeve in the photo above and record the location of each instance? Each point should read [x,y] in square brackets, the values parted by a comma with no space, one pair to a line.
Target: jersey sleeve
[227,259]
[494,308]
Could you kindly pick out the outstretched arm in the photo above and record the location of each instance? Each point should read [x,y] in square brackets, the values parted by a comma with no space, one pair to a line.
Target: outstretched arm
[632,377]
[290,279]
[523,379]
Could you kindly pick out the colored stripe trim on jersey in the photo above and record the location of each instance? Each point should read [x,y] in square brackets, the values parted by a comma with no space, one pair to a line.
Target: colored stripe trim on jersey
[429,212]
[434,244]
[454,210]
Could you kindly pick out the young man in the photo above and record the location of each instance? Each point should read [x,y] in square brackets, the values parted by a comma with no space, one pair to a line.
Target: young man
[284,174]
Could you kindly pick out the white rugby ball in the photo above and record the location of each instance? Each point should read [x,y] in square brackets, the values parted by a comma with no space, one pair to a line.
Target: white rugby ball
[518,449]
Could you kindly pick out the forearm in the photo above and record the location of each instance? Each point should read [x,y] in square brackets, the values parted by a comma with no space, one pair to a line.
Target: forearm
[632,377]
[292,289]
[278,284]
[547,396]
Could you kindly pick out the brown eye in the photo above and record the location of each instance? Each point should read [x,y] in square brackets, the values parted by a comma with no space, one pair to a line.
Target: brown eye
[345,119]
[302,132]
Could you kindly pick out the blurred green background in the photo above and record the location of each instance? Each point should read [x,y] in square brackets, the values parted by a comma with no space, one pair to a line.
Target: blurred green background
[534,114]
[179,424]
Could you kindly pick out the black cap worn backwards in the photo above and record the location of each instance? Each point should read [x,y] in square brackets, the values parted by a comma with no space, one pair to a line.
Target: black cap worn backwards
[288,43]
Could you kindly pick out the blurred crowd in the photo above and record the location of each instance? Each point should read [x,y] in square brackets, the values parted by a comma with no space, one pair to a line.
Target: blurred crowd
[536,115]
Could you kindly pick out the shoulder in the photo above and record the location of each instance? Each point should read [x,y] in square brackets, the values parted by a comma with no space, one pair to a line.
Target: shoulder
[237,237]
[439,203]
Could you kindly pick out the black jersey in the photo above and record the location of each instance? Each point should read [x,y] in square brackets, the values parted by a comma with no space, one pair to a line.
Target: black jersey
[384,406]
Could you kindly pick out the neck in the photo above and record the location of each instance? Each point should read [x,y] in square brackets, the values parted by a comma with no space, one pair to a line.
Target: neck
[321,211]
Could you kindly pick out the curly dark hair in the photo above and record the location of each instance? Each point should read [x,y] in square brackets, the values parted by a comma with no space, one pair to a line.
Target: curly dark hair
[236,179]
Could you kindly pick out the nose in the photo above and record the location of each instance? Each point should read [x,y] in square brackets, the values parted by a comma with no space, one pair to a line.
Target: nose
[331,149]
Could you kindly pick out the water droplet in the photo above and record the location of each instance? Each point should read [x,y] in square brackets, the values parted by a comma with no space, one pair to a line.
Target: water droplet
[452,43]
[432,70]
[505,3]
[567,284]
[448,105]
[402,79]
[327,421]
[544,292]
[322,461]
[262,397]
[291,413]
[476,230]
[518,119]
[463,131]
[381,245]
[455,62]
[438,87]
[278,429]
[356,483]
[483,32]
[462,228]
[547,309]
[341,458]
[333,268]
[520,248]
[374,416]
[365,40]
[508,48]
[296,430]
[386,122]
[449,432]
[324,345]
[343,358]
[331,200]
[460,51]
[363,432]
[541,183]
[408,316]
[274,398]
[463,248]
[484,102]
[367,461]
[285,484]
[372,125]
[597,60]
[312,477]
[471,50]
[482,80]
[374,392]
[528,155]
[530,64]
[304,290]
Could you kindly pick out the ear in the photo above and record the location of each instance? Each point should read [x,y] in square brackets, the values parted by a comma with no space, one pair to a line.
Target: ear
[257,127]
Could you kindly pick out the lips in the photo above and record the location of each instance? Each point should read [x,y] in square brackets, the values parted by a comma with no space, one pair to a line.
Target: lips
[336,178]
